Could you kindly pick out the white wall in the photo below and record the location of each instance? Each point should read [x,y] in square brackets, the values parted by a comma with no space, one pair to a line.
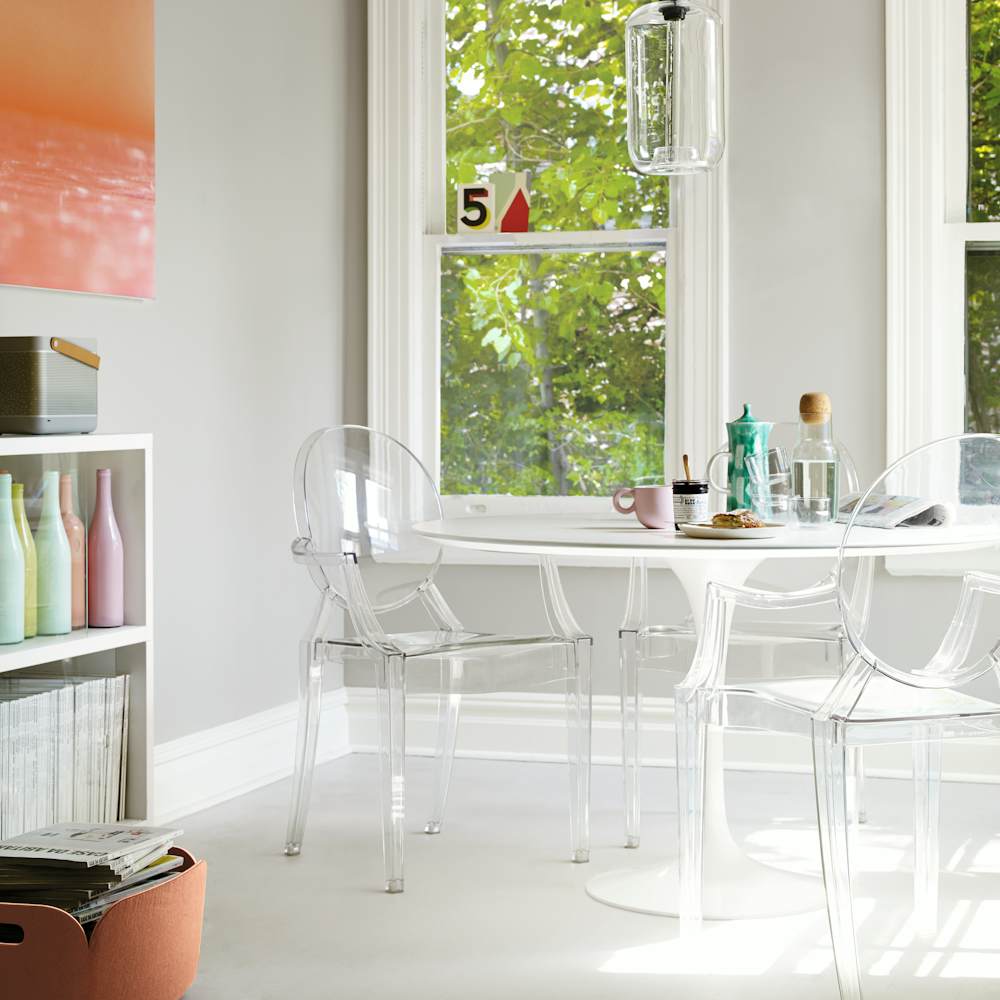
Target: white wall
[256,336]
[807,170]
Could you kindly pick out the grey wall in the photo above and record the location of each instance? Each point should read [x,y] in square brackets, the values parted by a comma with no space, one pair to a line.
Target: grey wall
[256,336]
[808,288]
[806,163]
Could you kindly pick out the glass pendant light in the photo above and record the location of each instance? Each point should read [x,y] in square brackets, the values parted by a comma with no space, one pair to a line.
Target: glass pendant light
[673,51]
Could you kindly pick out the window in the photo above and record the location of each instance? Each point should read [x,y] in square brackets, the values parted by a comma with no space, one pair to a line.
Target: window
[982,259]
[524,368]
[943,230]
[982,335]
[943,120]
[552,372]
[984,110]
[552,363]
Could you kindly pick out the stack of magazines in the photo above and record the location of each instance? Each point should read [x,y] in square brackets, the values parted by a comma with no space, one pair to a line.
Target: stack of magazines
[63,748]
[84,869]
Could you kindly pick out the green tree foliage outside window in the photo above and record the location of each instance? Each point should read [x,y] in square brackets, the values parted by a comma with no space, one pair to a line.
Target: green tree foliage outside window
[984,111]
[983,262]
[982,271]
[552,364]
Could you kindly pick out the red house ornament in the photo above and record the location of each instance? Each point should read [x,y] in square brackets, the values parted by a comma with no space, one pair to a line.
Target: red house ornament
[513,202]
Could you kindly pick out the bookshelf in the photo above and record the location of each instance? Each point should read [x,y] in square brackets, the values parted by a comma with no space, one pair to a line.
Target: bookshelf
[99,651]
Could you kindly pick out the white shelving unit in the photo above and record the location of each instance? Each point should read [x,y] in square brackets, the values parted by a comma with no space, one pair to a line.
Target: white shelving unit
[125,650]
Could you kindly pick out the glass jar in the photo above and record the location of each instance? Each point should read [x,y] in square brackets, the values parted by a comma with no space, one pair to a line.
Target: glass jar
[673,60]
[690,502]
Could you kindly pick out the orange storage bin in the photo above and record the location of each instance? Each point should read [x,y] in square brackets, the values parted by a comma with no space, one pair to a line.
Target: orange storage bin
[146,946]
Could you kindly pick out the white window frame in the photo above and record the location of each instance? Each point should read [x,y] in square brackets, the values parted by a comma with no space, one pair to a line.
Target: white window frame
[926,162]
[407,231]
[926,231]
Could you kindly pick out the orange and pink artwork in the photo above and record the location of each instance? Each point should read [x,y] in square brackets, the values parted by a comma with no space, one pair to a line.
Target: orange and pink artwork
[77,163]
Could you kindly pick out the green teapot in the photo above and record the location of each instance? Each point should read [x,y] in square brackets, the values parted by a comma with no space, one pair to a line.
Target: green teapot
[747,437]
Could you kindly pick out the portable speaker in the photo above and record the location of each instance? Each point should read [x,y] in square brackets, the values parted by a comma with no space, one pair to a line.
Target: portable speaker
[48,385]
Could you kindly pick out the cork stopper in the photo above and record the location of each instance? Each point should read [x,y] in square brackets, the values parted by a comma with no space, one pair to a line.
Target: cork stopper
[815,408]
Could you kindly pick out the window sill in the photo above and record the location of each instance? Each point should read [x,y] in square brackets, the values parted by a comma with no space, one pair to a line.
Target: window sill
[470,557]
[948,564]
[475,505]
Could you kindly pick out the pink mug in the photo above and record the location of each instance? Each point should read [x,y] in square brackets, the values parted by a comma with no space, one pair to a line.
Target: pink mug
[653,505]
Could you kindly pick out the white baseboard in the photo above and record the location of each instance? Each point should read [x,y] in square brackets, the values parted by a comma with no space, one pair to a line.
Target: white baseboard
[206,768]
[532,727]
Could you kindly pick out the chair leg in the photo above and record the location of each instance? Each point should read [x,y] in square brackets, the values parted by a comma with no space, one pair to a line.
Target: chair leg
[578,705]
[391,687]
[631,708]
[830,764]
[856,755]
[310,694]
[692,735]
[858,770]
[926,824]
[449,708]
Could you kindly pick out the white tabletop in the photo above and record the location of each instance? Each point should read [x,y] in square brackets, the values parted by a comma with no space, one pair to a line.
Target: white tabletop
[616,536]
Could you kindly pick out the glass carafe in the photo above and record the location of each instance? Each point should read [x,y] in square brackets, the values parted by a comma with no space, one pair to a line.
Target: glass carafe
[815,463]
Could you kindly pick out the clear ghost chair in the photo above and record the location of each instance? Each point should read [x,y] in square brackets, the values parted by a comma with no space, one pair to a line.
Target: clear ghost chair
[644,645]
[358,497]
[923,668]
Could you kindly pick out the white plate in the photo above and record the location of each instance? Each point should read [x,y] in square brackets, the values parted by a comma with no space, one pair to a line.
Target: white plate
[770,530]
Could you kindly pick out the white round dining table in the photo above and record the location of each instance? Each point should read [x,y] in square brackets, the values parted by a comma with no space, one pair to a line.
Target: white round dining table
[735,885]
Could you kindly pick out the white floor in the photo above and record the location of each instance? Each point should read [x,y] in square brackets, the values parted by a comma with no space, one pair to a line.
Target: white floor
[492,909]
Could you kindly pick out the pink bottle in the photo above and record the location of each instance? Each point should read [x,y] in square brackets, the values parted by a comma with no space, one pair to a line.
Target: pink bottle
[105,561]
[77,535]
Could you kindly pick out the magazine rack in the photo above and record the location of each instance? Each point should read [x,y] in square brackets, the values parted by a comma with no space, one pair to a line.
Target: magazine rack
[146,945]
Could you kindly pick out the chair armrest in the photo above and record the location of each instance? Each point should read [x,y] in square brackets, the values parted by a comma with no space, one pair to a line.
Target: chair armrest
[304,551]
[439,610]
[557,609]
[824,592]
[363,616]
[636,602]
[708,669]
[945,665]
[976,580]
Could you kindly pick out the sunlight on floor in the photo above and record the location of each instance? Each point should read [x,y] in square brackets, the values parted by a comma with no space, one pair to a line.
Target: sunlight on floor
[875,850]
[737,948]
[965,946]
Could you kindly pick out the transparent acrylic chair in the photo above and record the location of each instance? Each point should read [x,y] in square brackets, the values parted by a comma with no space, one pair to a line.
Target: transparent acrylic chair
[920,672]
[643,645]
[358,496]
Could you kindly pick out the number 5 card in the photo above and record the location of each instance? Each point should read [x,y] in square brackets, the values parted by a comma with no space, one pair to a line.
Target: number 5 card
[476,208]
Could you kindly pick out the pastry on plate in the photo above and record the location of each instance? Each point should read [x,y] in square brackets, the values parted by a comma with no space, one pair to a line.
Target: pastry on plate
[737,519]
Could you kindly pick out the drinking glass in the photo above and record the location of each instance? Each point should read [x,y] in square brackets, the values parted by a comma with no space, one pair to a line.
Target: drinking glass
[814,512]
[771,485]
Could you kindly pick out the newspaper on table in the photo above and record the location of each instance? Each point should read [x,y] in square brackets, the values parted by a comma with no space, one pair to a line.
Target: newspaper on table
[113,845]
[892,511]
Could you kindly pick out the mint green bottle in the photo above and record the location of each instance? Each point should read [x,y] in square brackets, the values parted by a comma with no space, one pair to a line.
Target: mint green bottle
[11,568]
[55,578]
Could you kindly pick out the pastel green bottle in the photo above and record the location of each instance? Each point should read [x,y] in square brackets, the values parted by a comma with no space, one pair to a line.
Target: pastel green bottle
[11,568]
[30,563]
[55,574]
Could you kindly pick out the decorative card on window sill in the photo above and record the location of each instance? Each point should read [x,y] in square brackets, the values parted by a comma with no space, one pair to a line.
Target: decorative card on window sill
[501,205]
